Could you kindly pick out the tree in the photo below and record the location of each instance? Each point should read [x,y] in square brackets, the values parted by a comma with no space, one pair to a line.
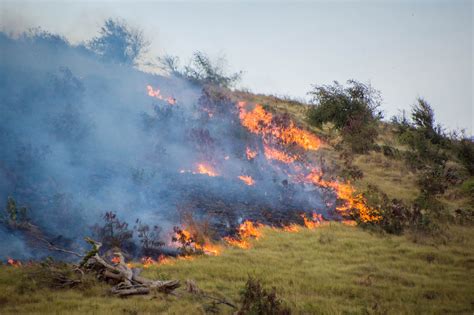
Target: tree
[119,42]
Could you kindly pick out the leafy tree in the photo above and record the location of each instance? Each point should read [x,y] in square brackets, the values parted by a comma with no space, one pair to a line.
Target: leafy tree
[352,109]
[119,42]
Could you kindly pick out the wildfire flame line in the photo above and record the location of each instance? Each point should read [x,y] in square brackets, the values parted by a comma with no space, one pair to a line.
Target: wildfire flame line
[157,94]
[261,122]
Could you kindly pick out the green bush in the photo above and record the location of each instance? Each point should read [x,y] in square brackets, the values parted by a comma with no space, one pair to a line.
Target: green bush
[353,110]
[256,300]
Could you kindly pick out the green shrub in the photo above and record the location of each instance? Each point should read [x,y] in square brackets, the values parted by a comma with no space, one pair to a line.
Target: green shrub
[256,300]
[353,110]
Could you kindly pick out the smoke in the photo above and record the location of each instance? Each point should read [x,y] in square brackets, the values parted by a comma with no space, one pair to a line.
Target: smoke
[79,136]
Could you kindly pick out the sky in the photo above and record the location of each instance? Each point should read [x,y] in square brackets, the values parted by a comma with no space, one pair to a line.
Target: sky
[405,49]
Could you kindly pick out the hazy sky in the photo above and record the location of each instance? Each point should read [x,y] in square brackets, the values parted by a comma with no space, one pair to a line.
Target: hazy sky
[406,49]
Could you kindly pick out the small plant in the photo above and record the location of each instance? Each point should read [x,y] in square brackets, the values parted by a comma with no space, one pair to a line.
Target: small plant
[256,300]
[149,238]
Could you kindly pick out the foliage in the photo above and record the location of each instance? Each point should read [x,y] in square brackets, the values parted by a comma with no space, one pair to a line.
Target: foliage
[14,214]
[465,154]
[201,70]
[256,300]
[119,42]
[114,233]
[352,109]
[149,238]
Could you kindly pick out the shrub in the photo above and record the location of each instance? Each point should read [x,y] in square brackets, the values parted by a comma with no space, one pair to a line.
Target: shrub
[257,300]
[114,233]
[353,110]
[468,188]
[465,154]
[201,70]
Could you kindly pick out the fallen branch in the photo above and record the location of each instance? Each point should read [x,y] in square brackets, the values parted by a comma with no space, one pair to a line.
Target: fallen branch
[127,281]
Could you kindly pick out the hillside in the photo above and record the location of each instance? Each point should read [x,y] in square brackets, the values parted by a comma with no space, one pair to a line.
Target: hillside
[255,204]
[331,270]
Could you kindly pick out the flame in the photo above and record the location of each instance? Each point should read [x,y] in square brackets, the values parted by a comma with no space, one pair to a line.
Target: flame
[115,260]
[245,232]
[274,154]
[251,154]
[313,222]
[293,228]
[206,170]
[248,180]
[13,262]
[259,121]
[352,201]
[147,262]
[157,94]
[186,238]
[209,249]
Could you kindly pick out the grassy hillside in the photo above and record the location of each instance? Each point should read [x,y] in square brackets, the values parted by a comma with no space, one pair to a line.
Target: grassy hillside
[332,270]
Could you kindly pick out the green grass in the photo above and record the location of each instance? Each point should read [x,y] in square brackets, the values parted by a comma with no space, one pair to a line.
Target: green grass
[331,270]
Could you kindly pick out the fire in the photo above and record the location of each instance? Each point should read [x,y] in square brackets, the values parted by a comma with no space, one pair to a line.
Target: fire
[259,121]
[245,232]
[251,154]
[206,170]
[274,154]
[187,239]
[147,262]
[13,262]
[293,228]
[352,201]
[116,260]
[248,180]
[157,94]
[209,249]
[314,222]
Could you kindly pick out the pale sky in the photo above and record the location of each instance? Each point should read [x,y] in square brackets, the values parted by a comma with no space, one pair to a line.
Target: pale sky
[406,49]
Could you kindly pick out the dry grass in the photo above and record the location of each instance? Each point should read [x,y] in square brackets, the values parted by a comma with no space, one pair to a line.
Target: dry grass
[330,270]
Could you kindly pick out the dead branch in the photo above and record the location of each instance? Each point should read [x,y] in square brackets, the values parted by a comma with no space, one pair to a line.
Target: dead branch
[128,282]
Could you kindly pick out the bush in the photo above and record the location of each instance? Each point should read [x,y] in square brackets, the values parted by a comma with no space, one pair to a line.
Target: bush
[201,70]
[257,300]
[114,233]
[353,110]
[465,154]
[468,188]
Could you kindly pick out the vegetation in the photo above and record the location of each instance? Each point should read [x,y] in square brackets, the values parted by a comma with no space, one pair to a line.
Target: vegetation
[118,42]
[332,269]
[201,70]
[353,110]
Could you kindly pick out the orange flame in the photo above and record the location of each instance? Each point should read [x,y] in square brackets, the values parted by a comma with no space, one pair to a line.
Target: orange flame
[206,170]
[274,154]
[251,154]
[13,262]
[147,262]
[115,260]
[209,249]
[293,228]
[248,180]
[245,232]
[352,201]
[261,122]
[313,222]
[157,94]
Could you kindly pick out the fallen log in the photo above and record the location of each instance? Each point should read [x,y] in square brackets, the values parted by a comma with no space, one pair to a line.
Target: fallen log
[127,281]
